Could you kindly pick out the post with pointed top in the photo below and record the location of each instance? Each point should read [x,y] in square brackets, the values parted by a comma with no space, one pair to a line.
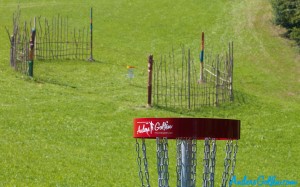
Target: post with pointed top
[150,67]
[202,60]
[91,59]
[31,52]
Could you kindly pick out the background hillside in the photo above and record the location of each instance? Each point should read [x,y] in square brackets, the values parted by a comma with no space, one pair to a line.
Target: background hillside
[72,124]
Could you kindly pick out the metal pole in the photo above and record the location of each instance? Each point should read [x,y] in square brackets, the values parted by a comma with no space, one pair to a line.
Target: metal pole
[150,67]
[91,59]
[186,155]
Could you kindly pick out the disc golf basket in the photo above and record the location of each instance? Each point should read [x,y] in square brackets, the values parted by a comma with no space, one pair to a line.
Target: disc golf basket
[130,72]
[186,132]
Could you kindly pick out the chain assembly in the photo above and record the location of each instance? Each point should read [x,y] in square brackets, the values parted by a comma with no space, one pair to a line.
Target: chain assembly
[206,162]
[212,162]
[235,149]
[179,161]
[193,162]
[145,162]
[162,162]
[187,132]
[139,162]
[227,163]
[209,162]
[187,149]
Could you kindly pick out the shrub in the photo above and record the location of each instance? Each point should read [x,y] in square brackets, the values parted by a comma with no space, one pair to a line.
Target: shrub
[287,14]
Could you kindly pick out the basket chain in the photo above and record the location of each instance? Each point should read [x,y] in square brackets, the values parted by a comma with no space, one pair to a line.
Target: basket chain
[179,162]
[206,162]
[139,162]
[235,149]
[162,162]
[212,162]
[193,162]
[145,162]
[227,162]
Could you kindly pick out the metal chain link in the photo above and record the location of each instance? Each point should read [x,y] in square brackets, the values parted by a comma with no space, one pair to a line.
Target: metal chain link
[162,162]
[227,162]
[179,161]
[145,162]
[212,162]
[206,162]
[235,149]
[139,161]
[159,160]
[166,161]
[193,162]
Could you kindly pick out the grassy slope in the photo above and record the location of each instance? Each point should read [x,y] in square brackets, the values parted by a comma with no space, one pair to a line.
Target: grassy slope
[71,125]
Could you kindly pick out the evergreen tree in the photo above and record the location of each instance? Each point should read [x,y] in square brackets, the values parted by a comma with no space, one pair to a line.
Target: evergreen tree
[287,14]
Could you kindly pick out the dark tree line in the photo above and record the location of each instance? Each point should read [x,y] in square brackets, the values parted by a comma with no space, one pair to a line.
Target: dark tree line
[287,14]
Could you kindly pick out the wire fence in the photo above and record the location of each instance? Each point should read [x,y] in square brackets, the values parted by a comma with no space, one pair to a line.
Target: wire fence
[177,81]
[19,44]
[54,39]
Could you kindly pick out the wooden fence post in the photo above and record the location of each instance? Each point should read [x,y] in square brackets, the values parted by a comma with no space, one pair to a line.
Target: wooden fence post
[150,67]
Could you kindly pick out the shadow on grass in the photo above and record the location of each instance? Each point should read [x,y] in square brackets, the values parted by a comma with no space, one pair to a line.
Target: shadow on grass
[54,82]
[241,99]
[69,61]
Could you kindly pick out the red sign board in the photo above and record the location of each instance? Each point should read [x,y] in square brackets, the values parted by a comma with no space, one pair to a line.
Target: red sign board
[199,128]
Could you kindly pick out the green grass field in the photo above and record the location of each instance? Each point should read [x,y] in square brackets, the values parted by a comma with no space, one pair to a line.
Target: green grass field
[72,124]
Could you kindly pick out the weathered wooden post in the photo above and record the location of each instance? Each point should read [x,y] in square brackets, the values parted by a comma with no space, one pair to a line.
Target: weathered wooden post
[31,53]
[150,67]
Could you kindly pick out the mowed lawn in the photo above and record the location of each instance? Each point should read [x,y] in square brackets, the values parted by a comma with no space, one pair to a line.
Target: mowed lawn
[72,124]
